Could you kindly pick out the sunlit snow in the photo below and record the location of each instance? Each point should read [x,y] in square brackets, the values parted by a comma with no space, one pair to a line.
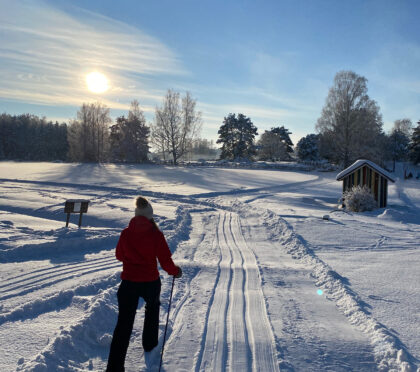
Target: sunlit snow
[268,284]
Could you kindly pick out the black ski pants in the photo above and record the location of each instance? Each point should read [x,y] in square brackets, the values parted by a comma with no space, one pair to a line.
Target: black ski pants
[128,297]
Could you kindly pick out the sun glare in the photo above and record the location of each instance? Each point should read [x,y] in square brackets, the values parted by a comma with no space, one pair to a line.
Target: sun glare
[97,82]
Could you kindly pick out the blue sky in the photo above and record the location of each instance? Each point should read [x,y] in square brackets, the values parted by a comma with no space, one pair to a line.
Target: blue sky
[273,61]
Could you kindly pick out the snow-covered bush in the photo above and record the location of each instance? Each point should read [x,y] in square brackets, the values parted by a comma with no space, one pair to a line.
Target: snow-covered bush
[359,199]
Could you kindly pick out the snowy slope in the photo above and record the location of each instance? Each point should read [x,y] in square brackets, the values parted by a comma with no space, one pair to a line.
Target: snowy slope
[254,250]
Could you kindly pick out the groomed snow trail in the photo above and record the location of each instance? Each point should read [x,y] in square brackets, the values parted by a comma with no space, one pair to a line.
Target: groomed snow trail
[235,332]
[240,335]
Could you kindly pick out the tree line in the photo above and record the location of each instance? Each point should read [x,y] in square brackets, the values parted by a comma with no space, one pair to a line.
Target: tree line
[350,127]
[93,136]
[28,137]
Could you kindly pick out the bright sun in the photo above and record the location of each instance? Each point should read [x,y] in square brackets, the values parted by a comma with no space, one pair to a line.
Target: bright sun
[97,82]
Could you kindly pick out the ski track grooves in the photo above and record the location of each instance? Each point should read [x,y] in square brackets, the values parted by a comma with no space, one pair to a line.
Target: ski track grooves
[238,333]
[259,333]
[215,353]
[48,281]
[238,360]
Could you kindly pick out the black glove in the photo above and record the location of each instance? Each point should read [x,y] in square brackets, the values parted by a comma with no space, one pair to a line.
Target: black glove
[179,273]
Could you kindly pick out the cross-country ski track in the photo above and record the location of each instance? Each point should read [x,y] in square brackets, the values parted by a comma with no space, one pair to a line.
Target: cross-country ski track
[246,302]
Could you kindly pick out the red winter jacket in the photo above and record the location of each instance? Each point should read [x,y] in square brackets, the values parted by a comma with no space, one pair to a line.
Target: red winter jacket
[138,247]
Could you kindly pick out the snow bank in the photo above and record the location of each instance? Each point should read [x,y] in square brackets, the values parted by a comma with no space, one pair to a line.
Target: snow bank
[72,349]
[281,165]
[59,300]
[63,241]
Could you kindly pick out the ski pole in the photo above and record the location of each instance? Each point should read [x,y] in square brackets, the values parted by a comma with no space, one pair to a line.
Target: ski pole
[166,326]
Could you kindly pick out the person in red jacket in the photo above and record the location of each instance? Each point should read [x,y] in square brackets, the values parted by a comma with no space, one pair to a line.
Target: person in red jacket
[140,244]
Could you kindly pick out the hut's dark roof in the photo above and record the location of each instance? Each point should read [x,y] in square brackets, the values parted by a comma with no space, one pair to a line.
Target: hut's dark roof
[360,163]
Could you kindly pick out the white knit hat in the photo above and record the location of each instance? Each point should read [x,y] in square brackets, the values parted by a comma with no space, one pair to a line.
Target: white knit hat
[143,209]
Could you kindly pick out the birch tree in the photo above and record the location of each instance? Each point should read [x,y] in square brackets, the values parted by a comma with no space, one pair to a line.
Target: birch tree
[88,135]
[350,124]
[176,124]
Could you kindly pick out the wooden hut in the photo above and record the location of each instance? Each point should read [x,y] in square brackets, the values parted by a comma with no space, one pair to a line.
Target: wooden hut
[366,172]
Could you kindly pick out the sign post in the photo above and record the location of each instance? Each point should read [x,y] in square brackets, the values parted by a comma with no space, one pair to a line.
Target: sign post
[75,206]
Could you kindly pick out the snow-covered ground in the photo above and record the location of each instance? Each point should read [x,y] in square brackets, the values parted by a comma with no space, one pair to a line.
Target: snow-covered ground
[268,284]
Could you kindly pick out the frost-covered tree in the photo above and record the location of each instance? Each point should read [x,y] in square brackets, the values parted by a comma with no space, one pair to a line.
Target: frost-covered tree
[176,124]
[404,125]
[237,136]
[202,146]
[283,133]
[350,124]
[88,135]
[398,143]
[129,137]
[274,145]
[399,140]
[415,145]
[308,147]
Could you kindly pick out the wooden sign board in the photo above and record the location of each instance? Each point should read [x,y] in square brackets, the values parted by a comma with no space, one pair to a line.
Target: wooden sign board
[76,206]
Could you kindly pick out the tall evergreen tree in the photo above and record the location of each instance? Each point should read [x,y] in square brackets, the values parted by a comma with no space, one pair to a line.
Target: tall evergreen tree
[283,133]
[129,137]
[237,135]
[415,145]
[307,147]
[275,144]
[398,145]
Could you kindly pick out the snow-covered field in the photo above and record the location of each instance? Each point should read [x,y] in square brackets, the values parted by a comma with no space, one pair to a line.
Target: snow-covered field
[268,284]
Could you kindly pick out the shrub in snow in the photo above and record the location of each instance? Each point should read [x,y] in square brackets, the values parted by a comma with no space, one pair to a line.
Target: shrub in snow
[359,199]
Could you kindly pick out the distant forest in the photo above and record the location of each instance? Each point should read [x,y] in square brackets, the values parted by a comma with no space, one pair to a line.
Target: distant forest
[28,137]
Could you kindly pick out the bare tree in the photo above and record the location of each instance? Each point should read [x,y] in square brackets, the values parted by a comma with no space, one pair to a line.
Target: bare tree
[176,124]
[88,134]
[350,124]
[403,125]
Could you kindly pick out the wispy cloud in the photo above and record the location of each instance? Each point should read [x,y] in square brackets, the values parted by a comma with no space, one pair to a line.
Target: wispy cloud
[45,54]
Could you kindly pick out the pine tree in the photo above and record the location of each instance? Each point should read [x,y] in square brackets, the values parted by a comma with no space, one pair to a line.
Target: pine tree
[415,145]
[283,133]
[398,146]
[237,135]
[129,137]
[275,144]
[116,137]
[308,147]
